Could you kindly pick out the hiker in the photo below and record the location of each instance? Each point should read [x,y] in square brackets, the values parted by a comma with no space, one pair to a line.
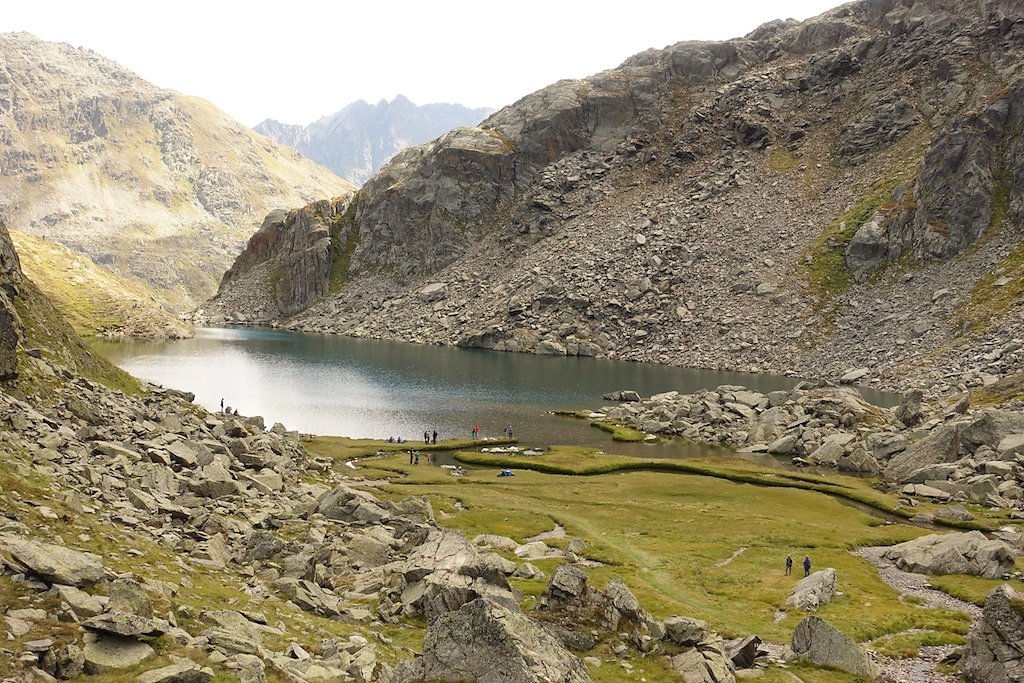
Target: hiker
[222,405]
[426,437]
[789,565]
[508,430]
[417,457]
[476,432]
[236,411]
[410,457]
[435,437]
[807,565]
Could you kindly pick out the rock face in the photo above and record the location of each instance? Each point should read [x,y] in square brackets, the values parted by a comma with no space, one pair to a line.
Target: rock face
[155,186]
[10,324]
[965,553]
[357,140]
[599,216]
[820,642]
[995,646]
[486,642]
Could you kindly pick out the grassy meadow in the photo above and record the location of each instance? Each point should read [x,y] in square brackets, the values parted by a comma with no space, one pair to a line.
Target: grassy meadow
[703,538]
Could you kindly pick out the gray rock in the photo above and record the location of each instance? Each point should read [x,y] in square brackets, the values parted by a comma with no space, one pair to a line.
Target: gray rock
[567,584]
[820,642]
[995,645]
[437,291]
[114,652]
[80,602]
[64,663]
[53,563]
[685,630]
[706,662]
[125,624]
[909,410]
[181,672]
[942,445]
[490,643]
[813,591]
[126,595]
[962,553]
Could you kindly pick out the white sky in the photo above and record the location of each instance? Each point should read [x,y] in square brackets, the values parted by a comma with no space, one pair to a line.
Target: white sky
[301,59]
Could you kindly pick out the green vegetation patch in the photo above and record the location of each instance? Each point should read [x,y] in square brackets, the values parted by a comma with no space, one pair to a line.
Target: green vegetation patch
[703,546]
[46,330]
[998,294]
[619,430]
[344,239]
[908,644]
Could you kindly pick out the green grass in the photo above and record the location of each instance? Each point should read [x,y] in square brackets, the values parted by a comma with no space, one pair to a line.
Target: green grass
[971,589]
[583,462]
[909,644]
[344,448]
[46,329]
[664,535]
[619,431]
[986,302]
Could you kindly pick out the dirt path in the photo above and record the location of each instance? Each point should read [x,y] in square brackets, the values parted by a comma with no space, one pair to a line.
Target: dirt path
[919,669]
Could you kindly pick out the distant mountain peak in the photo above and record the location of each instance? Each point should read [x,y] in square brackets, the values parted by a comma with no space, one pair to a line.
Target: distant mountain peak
[358,139]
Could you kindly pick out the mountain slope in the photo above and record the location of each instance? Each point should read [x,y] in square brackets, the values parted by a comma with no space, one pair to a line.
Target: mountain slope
[815,197]
[357,140]
[155,186]
[96,302]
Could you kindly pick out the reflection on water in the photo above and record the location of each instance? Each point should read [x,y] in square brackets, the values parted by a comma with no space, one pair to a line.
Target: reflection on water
[328,384]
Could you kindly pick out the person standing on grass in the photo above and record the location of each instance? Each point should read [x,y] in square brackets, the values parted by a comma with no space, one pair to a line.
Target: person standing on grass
[807,565]
[789,565]
[435,437]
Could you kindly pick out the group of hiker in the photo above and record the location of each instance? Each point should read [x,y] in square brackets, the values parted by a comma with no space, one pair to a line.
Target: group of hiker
[806,563]
[228,410]
[475,432]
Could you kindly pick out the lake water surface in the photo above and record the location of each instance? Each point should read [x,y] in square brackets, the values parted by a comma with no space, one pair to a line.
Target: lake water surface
[327,384]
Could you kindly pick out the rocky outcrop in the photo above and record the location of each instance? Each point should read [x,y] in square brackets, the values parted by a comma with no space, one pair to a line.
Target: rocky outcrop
[10,323]
[820,642]
[357,140]
[966,553]
[995,646]
[490,643]
[156,186]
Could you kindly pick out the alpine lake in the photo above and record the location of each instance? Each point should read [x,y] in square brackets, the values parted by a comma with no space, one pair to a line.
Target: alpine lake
[692,529]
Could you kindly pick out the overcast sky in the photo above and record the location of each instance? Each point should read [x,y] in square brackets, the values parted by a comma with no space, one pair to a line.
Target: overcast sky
[298,60]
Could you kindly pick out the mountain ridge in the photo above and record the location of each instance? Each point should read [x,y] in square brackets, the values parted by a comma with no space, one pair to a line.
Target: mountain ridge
[358,139]
[156,186]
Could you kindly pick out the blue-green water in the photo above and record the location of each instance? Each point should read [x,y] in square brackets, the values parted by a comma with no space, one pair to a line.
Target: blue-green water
[328,384]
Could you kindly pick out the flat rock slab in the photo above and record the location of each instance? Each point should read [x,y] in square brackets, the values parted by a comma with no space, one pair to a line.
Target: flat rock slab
[813,591]
[959,553]
[182,672]
[114,652]
[53,563]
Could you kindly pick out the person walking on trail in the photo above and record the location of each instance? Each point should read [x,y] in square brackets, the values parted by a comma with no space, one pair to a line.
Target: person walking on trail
[789,565]
[426,437]
[435,437]
[807,565]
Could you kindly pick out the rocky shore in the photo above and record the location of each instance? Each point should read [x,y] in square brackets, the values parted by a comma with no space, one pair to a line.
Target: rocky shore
[944,451]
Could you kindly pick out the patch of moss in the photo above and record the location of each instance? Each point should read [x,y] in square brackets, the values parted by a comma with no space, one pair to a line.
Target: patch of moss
[619,431]
[988,301]
[347,228]
[781,161]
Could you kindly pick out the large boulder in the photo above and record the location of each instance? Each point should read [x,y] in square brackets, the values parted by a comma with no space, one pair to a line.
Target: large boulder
[963,553]
[995,646]
[990,428]
[53,563]
[817,640]
[705,662]
[942,445]
[813,591]
[350,505]
[491,643]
